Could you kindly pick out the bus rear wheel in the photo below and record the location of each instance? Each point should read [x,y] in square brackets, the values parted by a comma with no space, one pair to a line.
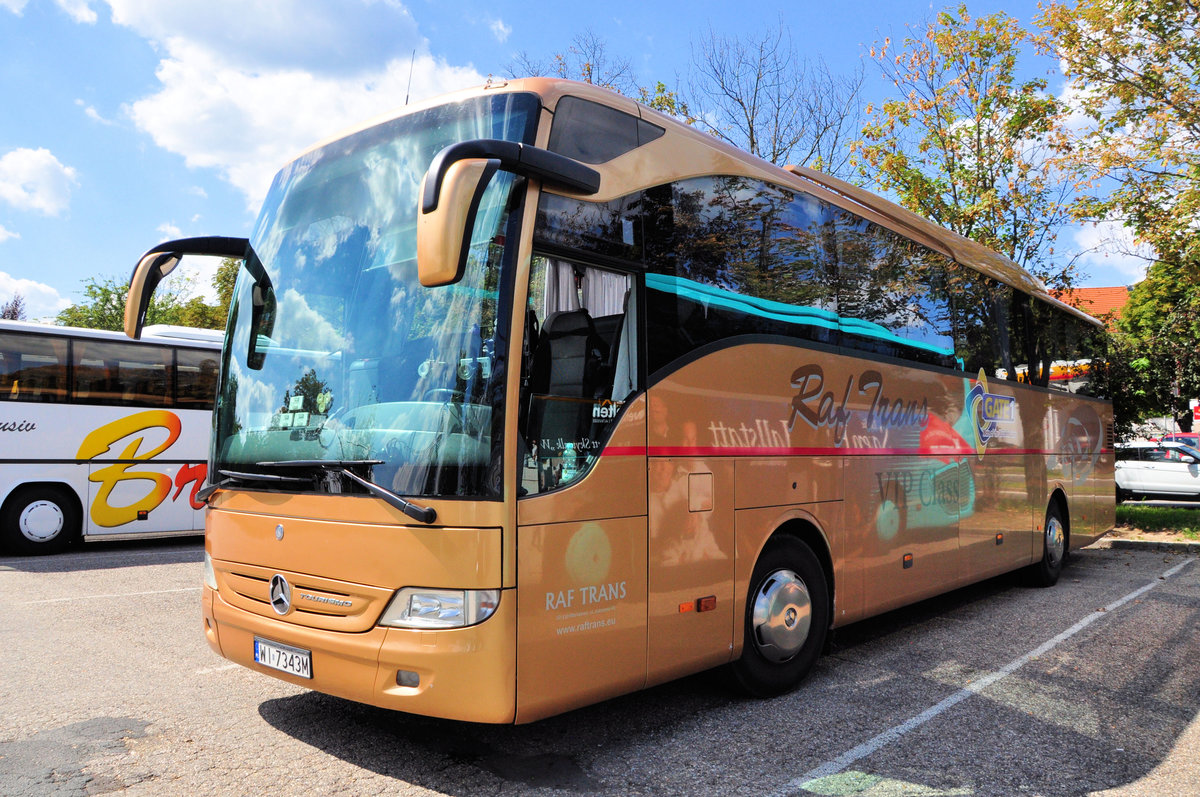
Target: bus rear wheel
[787,617]
[38,520]
[1054,549]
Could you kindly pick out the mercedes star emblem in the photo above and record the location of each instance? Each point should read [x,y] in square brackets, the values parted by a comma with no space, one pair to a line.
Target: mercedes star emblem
[281,594]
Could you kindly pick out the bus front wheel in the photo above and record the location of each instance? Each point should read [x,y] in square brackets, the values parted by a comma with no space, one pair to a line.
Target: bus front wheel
[38,520]
[787,616]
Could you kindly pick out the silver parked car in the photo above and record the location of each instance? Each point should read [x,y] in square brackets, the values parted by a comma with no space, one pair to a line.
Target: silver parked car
[1168,469]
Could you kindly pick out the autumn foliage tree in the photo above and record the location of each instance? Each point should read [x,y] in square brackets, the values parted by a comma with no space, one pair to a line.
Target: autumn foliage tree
[1134,72]
[967,143]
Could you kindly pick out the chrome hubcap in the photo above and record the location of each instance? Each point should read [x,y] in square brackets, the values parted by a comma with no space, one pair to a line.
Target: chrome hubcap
[781,615]
[1056,540]
[41,521]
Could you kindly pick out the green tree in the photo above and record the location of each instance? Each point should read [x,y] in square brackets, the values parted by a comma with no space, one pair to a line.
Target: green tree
[103,306]
[1134,72]
[224,281]
[1162,323]
[968,144]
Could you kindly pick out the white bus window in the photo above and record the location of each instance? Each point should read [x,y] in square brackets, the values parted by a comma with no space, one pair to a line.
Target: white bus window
[32,369]
[121,373]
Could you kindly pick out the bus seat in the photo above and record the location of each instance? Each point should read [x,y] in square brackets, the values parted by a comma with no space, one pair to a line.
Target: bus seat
[566,365]
[568,356]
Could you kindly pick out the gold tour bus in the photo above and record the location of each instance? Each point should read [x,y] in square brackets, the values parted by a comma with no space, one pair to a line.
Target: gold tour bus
[532,396]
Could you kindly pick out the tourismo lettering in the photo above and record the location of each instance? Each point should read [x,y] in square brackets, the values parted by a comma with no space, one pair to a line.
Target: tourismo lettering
[18,426]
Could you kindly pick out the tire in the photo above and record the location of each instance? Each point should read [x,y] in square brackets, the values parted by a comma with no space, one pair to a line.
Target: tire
[39,520]
[1123,495]
[787,589]
[1054,549]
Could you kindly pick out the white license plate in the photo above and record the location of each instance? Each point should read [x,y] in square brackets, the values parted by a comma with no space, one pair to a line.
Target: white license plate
[283,657]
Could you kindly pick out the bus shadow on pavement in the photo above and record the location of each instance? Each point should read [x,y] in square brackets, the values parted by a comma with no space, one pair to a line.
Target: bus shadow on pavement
[1119,701]
[464,758]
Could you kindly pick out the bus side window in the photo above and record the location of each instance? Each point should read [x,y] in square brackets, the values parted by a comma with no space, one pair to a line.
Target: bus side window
[580,366]
[196,379]
[32,369]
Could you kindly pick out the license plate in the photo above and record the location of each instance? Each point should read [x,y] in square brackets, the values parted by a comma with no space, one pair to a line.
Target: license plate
[283,657]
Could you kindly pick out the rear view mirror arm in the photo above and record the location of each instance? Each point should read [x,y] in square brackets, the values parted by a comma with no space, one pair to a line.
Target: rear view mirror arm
[520,159]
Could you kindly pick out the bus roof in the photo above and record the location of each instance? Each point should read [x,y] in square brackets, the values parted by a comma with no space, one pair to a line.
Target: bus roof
[157,334]
[689,152]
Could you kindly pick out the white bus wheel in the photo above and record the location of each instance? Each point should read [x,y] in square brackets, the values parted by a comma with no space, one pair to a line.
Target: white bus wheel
[37,520]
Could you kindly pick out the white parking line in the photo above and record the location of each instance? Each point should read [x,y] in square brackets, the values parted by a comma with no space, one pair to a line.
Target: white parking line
[113,595]
[892,734]
[210,670]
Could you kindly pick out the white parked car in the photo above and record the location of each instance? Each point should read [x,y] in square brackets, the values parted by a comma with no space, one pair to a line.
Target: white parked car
[1167,469]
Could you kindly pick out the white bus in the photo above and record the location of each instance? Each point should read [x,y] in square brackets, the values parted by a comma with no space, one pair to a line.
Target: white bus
[101,436]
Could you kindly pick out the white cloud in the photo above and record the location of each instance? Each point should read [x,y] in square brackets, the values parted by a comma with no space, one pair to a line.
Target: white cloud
[33,179]
[244,99]
[6,234]
[169,231]
[15,6]
[1109,245]
[79,10]
[345,37]
[91,113]
[500,30]
[41,300]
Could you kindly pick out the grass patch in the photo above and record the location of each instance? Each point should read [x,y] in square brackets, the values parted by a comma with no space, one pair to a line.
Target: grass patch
[1184,520]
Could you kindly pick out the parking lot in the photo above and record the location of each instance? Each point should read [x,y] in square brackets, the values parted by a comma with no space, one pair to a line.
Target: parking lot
[998,689]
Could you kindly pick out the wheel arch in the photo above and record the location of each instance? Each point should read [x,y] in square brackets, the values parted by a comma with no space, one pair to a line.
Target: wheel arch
[806,531]
[62,487]
[1058,498]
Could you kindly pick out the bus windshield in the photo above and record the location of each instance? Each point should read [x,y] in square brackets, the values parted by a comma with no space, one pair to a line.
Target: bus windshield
[337,355]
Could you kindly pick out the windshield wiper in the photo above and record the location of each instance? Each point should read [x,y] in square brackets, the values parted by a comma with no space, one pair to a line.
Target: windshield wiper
[258,477]
[424,514]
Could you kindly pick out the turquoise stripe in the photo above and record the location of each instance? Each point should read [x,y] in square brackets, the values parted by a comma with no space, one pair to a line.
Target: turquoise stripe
[780,311]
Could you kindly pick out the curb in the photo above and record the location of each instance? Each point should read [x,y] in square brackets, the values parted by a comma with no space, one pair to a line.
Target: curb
[1149,545]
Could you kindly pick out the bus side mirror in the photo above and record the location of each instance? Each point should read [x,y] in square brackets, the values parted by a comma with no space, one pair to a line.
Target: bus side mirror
[149,271]
[161,261]
[443,231]
[454,184]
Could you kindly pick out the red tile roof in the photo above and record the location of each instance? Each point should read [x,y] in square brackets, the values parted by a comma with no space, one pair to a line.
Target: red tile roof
[1097,302]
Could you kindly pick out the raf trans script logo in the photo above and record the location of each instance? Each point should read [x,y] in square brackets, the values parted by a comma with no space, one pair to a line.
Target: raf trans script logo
[281,594]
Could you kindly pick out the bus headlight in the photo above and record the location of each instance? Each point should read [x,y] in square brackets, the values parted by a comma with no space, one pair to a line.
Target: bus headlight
[417,607]
[210,575]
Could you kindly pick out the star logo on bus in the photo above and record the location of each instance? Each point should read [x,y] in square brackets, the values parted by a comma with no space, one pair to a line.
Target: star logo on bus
[281,595]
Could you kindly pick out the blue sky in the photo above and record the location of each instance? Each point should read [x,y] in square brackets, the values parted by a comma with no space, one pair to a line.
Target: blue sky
[128,122]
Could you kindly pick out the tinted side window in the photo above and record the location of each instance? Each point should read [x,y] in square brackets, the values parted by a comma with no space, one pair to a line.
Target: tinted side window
[731,256]
[33,368]
[892,294]
[196,379]
[593,133]
[121,373]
